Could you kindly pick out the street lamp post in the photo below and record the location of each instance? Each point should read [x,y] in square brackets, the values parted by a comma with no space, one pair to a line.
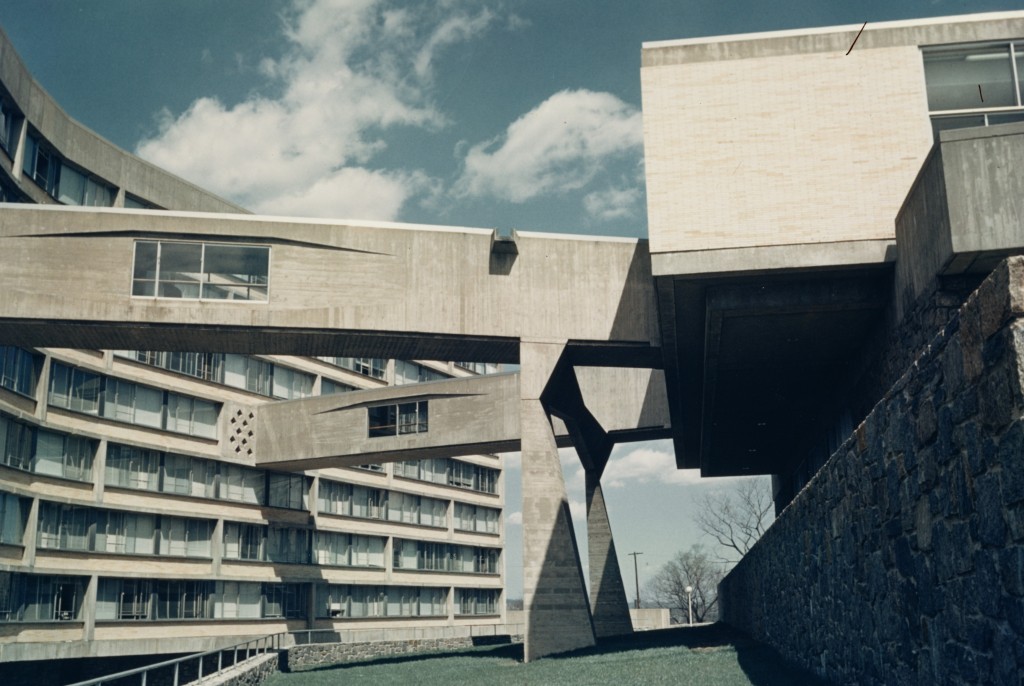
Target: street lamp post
[689,603]
[636,575]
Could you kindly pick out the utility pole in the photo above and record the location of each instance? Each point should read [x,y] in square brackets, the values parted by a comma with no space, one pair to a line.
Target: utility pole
[636,575]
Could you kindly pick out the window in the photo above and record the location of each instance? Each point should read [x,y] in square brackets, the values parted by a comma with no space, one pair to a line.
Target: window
[205,271]
[349,550]
[974,85]
[18,370]
[81,391]
[133,203]
[284,600]
[444,557]
[45,452]
[182,537]
[249,373]
[63,182]
[130,467]
[127,599]
[40,598]
[479,367]
[288,545]
[238,600]
[73,527]
[405,418]
[476,601]
[205,366]
[414,509]
[290,384]
[14,511]
[342,600]
[10,124]
[331,387]
[472,477]
[373,367]
[244,541]
[63,455]
[412,372]
[182,599]
[16,440]
[242,484]
[477,518]
[288,490]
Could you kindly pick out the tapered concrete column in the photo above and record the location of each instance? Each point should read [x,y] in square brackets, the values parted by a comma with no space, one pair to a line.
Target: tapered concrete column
[608,602]
[554,593]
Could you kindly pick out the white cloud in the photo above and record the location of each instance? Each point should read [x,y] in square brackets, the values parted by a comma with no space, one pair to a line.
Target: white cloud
[612,203]
[304,142]
[646,465]
[559,146]
[578,510]
[514,518]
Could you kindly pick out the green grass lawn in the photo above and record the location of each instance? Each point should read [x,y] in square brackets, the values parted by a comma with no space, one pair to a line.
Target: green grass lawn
[709,656]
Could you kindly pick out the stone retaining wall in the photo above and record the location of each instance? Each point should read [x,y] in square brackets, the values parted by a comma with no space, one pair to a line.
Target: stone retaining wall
[902,561]
[311,655]
[252,672]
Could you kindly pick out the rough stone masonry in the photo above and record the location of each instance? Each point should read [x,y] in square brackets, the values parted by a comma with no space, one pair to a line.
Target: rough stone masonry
[902,561]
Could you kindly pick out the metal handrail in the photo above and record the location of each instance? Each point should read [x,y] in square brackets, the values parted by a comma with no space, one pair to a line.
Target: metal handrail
[263,644]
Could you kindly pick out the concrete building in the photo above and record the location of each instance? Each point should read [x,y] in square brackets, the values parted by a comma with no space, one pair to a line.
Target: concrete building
[828,237]
[133,517]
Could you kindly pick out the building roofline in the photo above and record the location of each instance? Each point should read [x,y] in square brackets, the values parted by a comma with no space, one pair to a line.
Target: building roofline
[823,30]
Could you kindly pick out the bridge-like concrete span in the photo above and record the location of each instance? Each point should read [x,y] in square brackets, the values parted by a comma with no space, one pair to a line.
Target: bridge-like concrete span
[577,314]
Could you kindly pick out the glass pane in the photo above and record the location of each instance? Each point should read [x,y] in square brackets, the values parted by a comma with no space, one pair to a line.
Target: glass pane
[180,269]
[943,123]
[1006,118]
[231,271]
[72,186]
[969,78]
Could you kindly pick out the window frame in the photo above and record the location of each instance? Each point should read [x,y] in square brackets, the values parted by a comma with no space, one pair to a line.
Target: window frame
[202,283]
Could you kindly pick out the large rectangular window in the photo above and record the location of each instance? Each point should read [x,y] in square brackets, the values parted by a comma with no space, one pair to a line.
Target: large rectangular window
[82,391]
[485,520]
[401,419]
[74,527]
[40,598]
[335,601]
[28,448]
[444,557]
[204,271]
[974,85]
[477,601]
[205,366]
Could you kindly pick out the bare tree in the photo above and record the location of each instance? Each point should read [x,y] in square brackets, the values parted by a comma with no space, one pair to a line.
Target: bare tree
[737,517]
[694,568]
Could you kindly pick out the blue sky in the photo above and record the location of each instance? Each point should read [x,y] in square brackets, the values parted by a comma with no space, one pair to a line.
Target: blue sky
[518,114]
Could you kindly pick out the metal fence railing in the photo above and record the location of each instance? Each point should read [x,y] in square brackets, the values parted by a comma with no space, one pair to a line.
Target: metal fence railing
[185,670]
